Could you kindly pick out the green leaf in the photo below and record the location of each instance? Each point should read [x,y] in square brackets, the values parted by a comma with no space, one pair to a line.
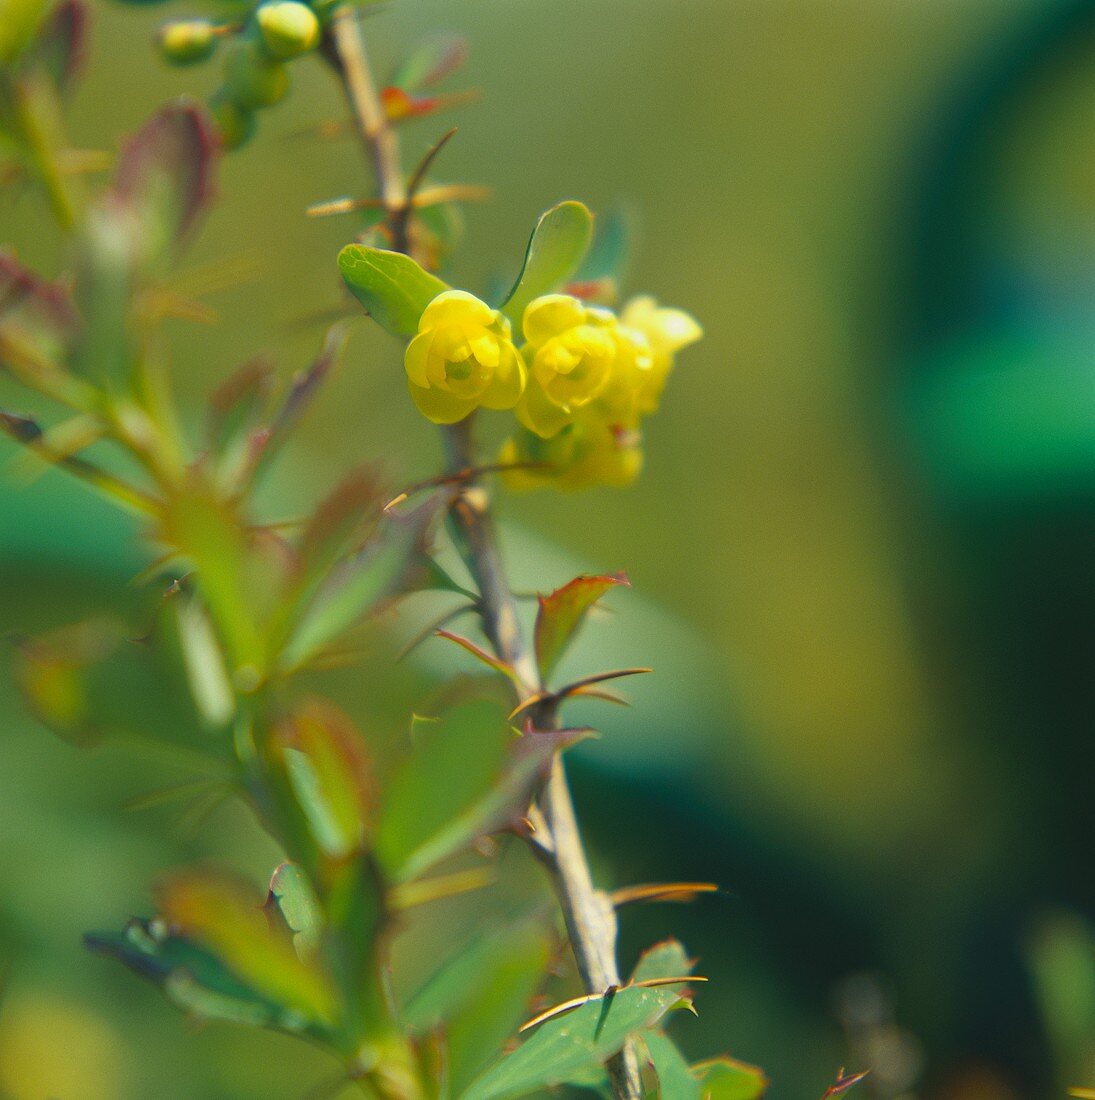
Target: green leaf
[164,179]
[454,765]
[208,678]
[62,41]
[211,537]
[355,588]
[219,915]
[294,902]
[675,1078]
[471,776]
[563,612]
[555,250]
[324,761]
[481,995]
[191,977]
[729,1079]
[391,286]
[88,682]
[573,1042]
[664,960]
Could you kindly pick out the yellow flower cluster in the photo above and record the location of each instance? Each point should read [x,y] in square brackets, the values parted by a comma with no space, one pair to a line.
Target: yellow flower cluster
[581,384]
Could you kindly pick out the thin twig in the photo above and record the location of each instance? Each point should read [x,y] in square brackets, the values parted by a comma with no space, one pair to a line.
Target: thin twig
[379,139]
[589,914]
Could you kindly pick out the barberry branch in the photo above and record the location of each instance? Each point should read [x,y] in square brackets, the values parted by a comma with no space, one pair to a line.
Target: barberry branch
[588,913]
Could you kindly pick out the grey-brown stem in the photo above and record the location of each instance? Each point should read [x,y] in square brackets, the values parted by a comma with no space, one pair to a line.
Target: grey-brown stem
[588,913]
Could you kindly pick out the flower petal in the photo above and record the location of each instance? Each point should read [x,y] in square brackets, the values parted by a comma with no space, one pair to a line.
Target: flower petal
[416,357]
[455,305]
[440,406]
[539,414]
[549,315]
[508,382]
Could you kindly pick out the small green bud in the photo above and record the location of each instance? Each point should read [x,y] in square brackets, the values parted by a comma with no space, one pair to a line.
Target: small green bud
[252,78]
[288,29]
[188,42]
[235,123]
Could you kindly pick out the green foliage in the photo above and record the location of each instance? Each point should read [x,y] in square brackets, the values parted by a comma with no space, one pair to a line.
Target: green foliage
[562,613]
[480,994]
[246,604]
[575,1042]
[393,288]
[555,252]
[728,1079]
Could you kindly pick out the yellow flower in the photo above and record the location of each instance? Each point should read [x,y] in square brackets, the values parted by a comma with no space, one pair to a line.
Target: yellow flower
[571,352]
[623,400]
[462,358]
[582,455]
[666,331]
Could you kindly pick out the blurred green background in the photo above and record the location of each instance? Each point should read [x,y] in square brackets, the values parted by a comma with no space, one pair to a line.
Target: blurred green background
[861,551]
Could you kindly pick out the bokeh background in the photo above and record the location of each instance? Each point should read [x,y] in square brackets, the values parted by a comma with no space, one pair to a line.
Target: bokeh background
[861,551]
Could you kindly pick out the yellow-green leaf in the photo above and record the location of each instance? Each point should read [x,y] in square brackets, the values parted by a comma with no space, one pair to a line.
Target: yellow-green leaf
[555,251]
[393,288]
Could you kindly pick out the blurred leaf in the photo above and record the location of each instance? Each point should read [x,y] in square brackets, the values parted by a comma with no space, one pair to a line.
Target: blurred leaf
[208,678]
[359,585]
[220,915]
[481,994]
[164,178]
[54,673]
[37,318]
[601,274]
[19,20]
[325,763]
[430,62]
[341,523]
[555,250]
[194,979]
[208,535]
[292,899]
[303,389]
[563,612]
[88,682]
[238,404]
[393,289]
[675,1078]
[62,42]
[400,105]
[581,1039]
[729,1079]
[454,762]
[468,777]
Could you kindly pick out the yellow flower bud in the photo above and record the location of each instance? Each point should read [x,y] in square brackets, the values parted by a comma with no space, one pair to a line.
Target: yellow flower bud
[288,29]
[571,351]
[463,358]
[187,42]
[666,331]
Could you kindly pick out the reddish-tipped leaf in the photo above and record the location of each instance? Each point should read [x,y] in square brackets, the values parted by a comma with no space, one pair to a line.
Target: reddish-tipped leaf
[563,612]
